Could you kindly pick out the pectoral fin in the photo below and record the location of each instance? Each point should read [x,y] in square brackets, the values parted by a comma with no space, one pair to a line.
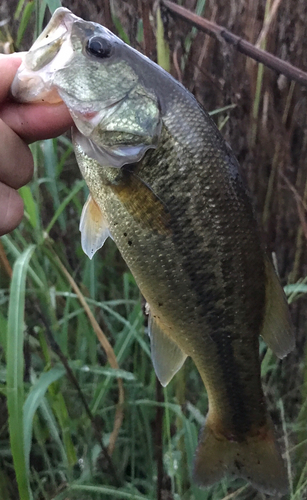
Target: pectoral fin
[277,331]
[166,356]
[93,227]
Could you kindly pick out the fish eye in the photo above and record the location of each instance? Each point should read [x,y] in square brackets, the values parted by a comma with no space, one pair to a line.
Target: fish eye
[98,47]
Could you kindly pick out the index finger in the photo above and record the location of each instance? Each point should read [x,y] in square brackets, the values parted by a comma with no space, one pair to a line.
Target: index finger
[33,122]
[8,67]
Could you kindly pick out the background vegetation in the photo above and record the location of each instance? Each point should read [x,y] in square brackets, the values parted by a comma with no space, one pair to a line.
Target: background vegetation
[67,404]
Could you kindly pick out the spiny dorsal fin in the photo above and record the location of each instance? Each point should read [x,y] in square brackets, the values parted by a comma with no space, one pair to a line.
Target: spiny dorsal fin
[166,356]
[93,227]
[277,331]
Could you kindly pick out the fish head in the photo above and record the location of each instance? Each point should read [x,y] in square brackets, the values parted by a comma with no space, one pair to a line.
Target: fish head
[99,78]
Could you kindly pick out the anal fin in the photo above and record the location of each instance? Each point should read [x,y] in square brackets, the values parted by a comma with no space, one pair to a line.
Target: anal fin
[93,227]
[277,331]
[166,356]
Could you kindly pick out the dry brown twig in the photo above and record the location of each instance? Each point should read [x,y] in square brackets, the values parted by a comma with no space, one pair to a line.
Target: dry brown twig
[221,33]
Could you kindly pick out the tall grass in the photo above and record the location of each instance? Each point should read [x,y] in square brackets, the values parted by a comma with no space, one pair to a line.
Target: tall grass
[66,392]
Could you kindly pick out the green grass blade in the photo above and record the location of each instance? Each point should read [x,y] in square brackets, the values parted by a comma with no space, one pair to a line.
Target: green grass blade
[19,8]
[40,14]
[190,440]
[120,30]
[33,401]
[163,52]
[30,206]
[50,162]
[78,186]
[108,492]
[222,110]
[199,10]
[9,243]
[24,21]
[15,365]
[295,290]
[60,409]
[53,5]
[3,333]
[51,422]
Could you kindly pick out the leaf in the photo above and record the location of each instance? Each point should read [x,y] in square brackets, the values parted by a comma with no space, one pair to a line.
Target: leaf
[33,401]
[15,366]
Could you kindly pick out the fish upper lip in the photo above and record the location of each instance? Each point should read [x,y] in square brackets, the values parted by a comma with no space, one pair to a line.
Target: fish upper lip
[64,19]
[69,19]
[58,33]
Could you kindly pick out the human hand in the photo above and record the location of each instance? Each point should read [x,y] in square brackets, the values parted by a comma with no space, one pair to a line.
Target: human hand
[21,124]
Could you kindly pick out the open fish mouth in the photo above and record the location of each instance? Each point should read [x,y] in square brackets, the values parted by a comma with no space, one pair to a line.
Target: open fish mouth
[51,51]
[122,118]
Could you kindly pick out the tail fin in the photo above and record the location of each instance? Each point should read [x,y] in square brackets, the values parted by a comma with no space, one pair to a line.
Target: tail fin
[256,459]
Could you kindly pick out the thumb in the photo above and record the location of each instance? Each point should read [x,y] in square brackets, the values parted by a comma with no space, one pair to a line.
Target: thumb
[8,67]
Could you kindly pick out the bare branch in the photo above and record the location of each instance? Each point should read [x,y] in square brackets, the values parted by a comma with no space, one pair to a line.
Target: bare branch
[262,56]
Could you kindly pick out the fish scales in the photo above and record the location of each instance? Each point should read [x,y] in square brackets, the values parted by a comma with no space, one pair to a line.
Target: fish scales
[209,300]
[216,291]
[167,188]
[214,285]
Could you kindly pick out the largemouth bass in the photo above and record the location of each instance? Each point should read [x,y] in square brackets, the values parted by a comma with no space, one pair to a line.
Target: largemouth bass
[166,187]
